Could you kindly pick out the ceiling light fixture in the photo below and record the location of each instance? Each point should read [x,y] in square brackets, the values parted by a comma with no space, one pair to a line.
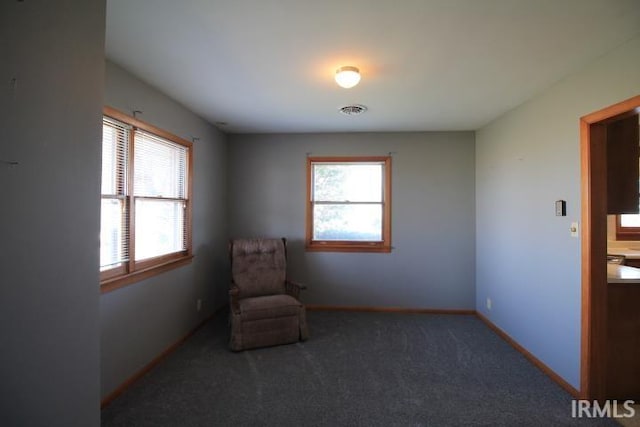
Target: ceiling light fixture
[347,77]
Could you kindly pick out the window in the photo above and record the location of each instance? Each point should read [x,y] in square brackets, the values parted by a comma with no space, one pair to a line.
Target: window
[145,222]
[349,204]
[628,227]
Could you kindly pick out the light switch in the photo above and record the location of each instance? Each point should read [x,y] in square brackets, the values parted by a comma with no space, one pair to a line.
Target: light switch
[574,229]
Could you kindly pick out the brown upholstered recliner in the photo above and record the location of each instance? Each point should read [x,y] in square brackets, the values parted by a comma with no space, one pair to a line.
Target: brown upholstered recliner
[265,309]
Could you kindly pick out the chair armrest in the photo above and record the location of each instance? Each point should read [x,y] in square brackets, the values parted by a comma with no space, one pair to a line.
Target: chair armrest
[234,294]
[293,288]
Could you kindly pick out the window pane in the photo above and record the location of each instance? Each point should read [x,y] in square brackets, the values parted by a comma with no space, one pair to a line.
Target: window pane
[159,228]
[630,220]
[348,182]
[159,167]
[347,222]
[112,234]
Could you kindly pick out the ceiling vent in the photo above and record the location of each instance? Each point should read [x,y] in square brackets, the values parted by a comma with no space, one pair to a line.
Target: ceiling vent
[353,110]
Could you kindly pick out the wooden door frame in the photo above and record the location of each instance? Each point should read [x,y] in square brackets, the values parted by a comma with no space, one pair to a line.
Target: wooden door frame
[594,247]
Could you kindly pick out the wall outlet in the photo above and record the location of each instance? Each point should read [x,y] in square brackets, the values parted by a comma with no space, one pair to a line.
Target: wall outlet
[198,304]
[488,303]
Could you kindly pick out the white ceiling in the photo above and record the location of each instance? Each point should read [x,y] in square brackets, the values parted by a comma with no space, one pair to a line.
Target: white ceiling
[268,65]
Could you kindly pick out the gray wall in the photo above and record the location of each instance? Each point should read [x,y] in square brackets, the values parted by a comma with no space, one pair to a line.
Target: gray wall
[140,321]
[527,263]
[432,264]
[50,210]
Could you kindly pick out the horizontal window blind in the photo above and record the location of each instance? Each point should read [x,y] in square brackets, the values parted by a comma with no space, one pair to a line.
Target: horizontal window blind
[115,150]
[160,189]
[159,167]
[114,218]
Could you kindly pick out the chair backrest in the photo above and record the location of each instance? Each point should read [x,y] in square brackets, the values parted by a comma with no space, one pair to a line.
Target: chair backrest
[258,266]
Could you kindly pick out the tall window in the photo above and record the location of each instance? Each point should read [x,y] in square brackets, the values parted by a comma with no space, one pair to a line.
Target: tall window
[349,204]
[145,225]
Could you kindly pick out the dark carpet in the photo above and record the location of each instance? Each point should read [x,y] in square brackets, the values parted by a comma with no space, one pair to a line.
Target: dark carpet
[357,369]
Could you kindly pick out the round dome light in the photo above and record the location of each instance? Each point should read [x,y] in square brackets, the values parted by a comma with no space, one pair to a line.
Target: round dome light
[347,77]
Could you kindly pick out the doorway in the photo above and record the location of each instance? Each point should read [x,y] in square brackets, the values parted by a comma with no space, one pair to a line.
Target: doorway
[594,246]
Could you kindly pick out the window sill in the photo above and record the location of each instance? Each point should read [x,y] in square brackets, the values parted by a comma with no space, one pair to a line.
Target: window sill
[349,247]
[628,236]
[112,284]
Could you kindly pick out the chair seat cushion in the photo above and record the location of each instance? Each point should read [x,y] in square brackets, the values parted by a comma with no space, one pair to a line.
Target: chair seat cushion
[269,307]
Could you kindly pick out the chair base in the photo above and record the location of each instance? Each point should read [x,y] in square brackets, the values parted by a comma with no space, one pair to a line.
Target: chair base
[267,332]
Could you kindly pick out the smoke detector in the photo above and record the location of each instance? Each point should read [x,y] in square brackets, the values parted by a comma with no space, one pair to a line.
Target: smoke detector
[353,110]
